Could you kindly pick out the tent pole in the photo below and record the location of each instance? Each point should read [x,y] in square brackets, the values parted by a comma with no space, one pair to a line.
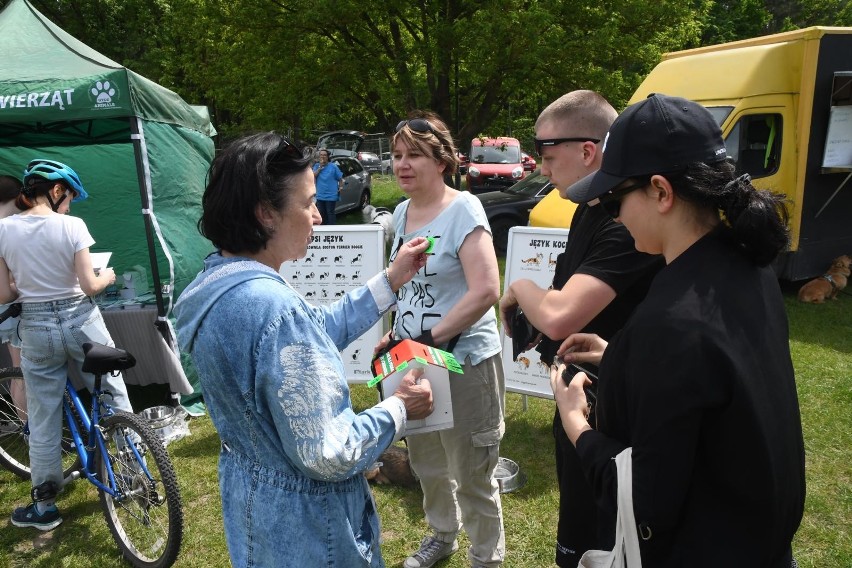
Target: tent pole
[143,177]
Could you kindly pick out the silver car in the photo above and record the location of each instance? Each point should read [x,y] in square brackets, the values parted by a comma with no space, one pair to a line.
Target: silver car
[357,185]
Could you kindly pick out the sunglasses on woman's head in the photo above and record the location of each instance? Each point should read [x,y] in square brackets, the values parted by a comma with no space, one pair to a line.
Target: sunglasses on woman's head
[291,150]
[415,124]
[611,202]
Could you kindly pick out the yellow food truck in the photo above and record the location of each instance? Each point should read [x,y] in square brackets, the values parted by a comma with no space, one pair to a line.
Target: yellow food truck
[784,103]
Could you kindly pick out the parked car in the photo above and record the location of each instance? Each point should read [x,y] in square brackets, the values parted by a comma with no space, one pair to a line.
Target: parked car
[495,163]
[511,207]
[341,143]
[357,185]
[528,162]
[387,163]
[370,161]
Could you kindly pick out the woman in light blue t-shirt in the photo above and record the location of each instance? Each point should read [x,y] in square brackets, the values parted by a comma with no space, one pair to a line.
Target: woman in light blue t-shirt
[450,304]
[329,182]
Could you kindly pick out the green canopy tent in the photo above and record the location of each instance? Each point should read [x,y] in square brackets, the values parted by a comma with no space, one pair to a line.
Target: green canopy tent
[141,151]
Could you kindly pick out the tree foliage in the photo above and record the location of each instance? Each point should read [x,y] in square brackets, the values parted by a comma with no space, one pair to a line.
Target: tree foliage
[486,67]
[730,20]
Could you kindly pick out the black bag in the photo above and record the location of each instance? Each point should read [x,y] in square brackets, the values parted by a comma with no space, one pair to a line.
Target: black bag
[523,333]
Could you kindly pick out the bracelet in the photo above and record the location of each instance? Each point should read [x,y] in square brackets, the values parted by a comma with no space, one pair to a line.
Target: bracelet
[387,279]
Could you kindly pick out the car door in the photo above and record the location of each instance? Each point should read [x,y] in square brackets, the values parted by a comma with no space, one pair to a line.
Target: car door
[353,184]
[346,194]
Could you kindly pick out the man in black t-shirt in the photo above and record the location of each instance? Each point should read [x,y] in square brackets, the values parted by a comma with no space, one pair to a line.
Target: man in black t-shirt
[599,279]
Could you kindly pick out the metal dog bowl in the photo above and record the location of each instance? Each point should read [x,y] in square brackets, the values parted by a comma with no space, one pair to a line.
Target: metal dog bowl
[168,423]
[158,415]
[509,475]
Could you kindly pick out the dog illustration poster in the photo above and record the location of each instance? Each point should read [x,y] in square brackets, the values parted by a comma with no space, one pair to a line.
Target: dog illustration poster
[341,258]
[531,254]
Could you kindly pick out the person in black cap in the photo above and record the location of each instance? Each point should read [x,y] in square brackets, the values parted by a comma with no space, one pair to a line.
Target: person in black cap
[699,382]
[598,281]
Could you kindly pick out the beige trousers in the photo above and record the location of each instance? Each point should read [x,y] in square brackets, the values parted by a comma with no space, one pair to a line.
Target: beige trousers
[456,466]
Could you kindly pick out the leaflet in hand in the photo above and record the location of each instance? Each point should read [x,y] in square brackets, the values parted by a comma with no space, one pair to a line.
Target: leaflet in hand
[100,260]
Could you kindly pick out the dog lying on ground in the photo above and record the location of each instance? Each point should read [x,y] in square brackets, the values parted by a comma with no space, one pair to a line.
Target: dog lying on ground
[829,284]
[393,468]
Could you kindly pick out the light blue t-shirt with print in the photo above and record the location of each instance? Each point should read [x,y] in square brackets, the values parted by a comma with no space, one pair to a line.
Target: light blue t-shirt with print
[436,288]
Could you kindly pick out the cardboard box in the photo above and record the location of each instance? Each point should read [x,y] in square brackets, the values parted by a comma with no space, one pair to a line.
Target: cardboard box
[391,367]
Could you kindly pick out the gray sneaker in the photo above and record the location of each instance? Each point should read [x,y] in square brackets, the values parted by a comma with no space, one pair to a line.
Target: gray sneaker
[431,551]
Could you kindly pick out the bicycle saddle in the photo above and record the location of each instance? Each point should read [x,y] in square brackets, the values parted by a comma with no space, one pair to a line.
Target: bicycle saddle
[101,359]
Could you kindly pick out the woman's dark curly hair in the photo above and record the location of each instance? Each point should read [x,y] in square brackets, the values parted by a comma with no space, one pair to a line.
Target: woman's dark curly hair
[260,169]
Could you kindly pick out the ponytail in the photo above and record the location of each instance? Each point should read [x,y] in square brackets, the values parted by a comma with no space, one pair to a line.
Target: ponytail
[34,188]
[756,219]
[24,202]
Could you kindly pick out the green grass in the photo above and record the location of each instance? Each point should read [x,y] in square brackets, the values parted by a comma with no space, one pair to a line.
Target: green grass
[386,192]
[821,343]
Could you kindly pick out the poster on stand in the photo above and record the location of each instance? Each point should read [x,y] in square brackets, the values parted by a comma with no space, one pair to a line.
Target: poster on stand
[531,255]
[341,258]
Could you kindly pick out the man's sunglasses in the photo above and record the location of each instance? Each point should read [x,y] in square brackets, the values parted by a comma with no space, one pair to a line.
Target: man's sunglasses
[539,144]
[415,124]
[611,202]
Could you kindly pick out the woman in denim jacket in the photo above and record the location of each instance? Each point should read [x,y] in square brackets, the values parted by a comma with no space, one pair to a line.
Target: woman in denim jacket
[293,450]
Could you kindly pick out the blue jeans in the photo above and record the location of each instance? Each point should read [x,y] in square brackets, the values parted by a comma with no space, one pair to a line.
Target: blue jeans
[326,209]
[52,337]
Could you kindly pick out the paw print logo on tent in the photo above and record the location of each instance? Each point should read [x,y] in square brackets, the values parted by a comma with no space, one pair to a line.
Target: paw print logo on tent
[103,93]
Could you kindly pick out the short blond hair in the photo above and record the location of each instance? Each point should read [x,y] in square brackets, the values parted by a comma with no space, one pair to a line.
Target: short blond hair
[588,113]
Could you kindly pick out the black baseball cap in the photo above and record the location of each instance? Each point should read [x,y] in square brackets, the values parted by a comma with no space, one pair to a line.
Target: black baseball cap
[659,135]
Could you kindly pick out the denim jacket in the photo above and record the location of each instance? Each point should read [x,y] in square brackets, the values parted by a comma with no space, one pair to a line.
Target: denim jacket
[293,450]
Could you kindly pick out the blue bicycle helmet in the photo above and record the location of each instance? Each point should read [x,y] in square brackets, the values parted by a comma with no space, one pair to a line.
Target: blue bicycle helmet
[55,171]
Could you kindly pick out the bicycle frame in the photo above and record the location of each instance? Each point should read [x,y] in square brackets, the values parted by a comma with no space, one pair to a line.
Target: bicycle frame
[94,444]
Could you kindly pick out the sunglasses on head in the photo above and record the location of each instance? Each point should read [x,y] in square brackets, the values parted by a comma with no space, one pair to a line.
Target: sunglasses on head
[611,202]
[539,144]
[290,149]
[415,124]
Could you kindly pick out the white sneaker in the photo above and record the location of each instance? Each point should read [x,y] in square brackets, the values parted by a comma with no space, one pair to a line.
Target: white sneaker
[431,551]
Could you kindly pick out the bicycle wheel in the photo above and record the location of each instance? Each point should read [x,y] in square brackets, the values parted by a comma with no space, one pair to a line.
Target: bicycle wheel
[145,518]
[14,438]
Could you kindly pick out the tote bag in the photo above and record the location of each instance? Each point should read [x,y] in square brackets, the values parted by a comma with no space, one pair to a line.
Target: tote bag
[625,553]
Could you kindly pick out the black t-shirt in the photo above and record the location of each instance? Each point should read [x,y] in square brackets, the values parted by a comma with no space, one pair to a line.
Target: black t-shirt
[600,247]
[700,384]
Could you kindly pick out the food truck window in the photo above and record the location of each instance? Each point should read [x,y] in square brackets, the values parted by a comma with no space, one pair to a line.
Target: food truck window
[755,144]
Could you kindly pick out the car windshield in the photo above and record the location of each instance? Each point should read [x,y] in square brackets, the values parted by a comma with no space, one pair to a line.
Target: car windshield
[495,154]
[530,186]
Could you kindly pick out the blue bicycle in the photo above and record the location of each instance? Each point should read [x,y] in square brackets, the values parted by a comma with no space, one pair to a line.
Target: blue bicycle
[116,451]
